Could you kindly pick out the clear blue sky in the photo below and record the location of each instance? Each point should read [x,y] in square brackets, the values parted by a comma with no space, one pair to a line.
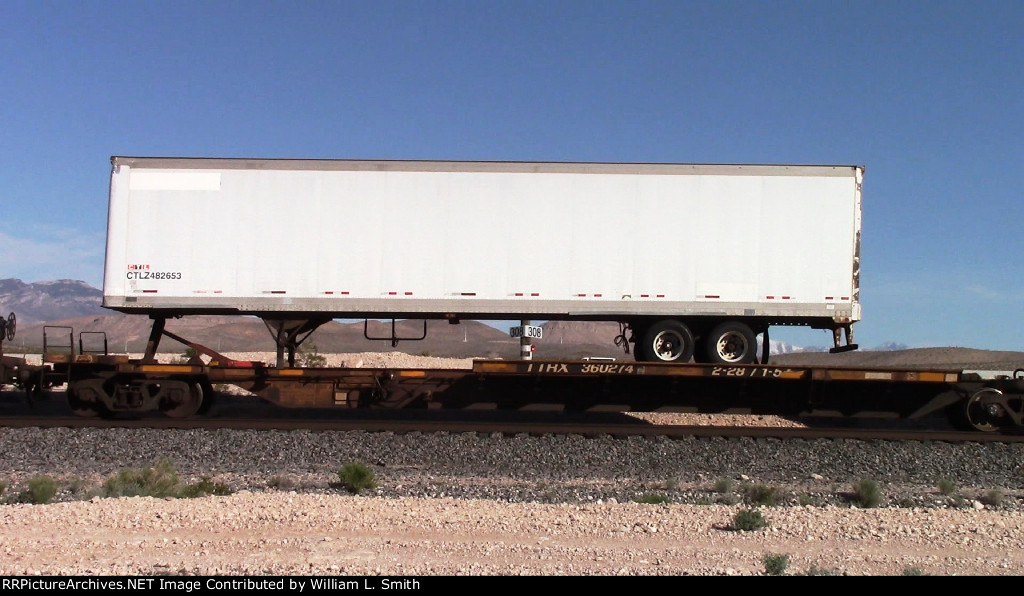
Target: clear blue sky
[928,95]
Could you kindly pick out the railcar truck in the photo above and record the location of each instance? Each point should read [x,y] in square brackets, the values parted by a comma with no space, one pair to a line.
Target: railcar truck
[694,261]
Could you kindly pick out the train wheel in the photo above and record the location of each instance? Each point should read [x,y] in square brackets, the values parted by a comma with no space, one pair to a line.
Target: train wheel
[182,404]
[666,341]
[209,397]
[982,411]
[731,343]
[82,406]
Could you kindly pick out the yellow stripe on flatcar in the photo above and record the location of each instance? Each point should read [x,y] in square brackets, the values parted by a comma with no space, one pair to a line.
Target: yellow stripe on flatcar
[505,367]
[412,373]
[677,371]
[850,375]
[291,372]
[167,368]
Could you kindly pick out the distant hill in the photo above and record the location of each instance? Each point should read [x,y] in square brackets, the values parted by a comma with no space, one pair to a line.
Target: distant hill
[43,301]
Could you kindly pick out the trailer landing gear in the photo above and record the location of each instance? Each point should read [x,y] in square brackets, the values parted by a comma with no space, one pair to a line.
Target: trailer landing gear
[837,336]
[289,334]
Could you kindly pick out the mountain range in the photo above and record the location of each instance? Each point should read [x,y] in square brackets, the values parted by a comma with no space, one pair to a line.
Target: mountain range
[44,301]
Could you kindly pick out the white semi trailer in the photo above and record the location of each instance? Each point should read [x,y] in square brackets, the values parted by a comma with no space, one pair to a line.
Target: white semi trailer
[694,261]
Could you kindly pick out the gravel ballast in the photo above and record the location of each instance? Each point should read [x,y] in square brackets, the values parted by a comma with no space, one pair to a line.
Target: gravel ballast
[493,504]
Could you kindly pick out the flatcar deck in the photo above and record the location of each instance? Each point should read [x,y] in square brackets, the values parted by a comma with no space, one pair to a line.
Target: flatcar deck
[112,384]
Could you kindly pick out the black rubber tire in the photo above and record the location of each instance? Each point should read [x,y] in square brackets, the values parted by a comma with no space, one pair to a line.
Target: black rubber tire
[731,342]
[666,341]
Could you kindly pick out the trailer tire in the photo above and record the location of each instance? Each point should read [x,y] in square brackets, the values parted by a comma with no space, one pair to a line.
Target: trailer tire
[666,341]
[731,342]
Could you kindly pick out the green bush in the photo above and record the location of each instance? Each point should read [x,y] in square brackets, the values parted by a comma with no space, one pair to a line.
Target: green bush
[775,563]
[748,520]
[759,494]
[203,488]
[946,486]
[3,488]
[913,571]
[40,490]
[159,481]
[809,501]
[357,477]
[188,355]
[817,571]
[723,485]
[867,493]
[992,498]
[82,489]
[728,499]
[906,502]
[311,357]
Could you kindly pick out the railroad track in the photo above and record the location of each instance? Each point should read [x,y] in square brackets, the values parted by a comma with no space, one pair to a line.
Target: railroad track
[514,423]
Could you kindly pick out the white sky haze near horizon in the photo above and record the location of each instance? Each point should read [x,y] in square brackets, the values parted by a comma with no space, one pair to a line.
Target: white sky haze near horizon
[927,95]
